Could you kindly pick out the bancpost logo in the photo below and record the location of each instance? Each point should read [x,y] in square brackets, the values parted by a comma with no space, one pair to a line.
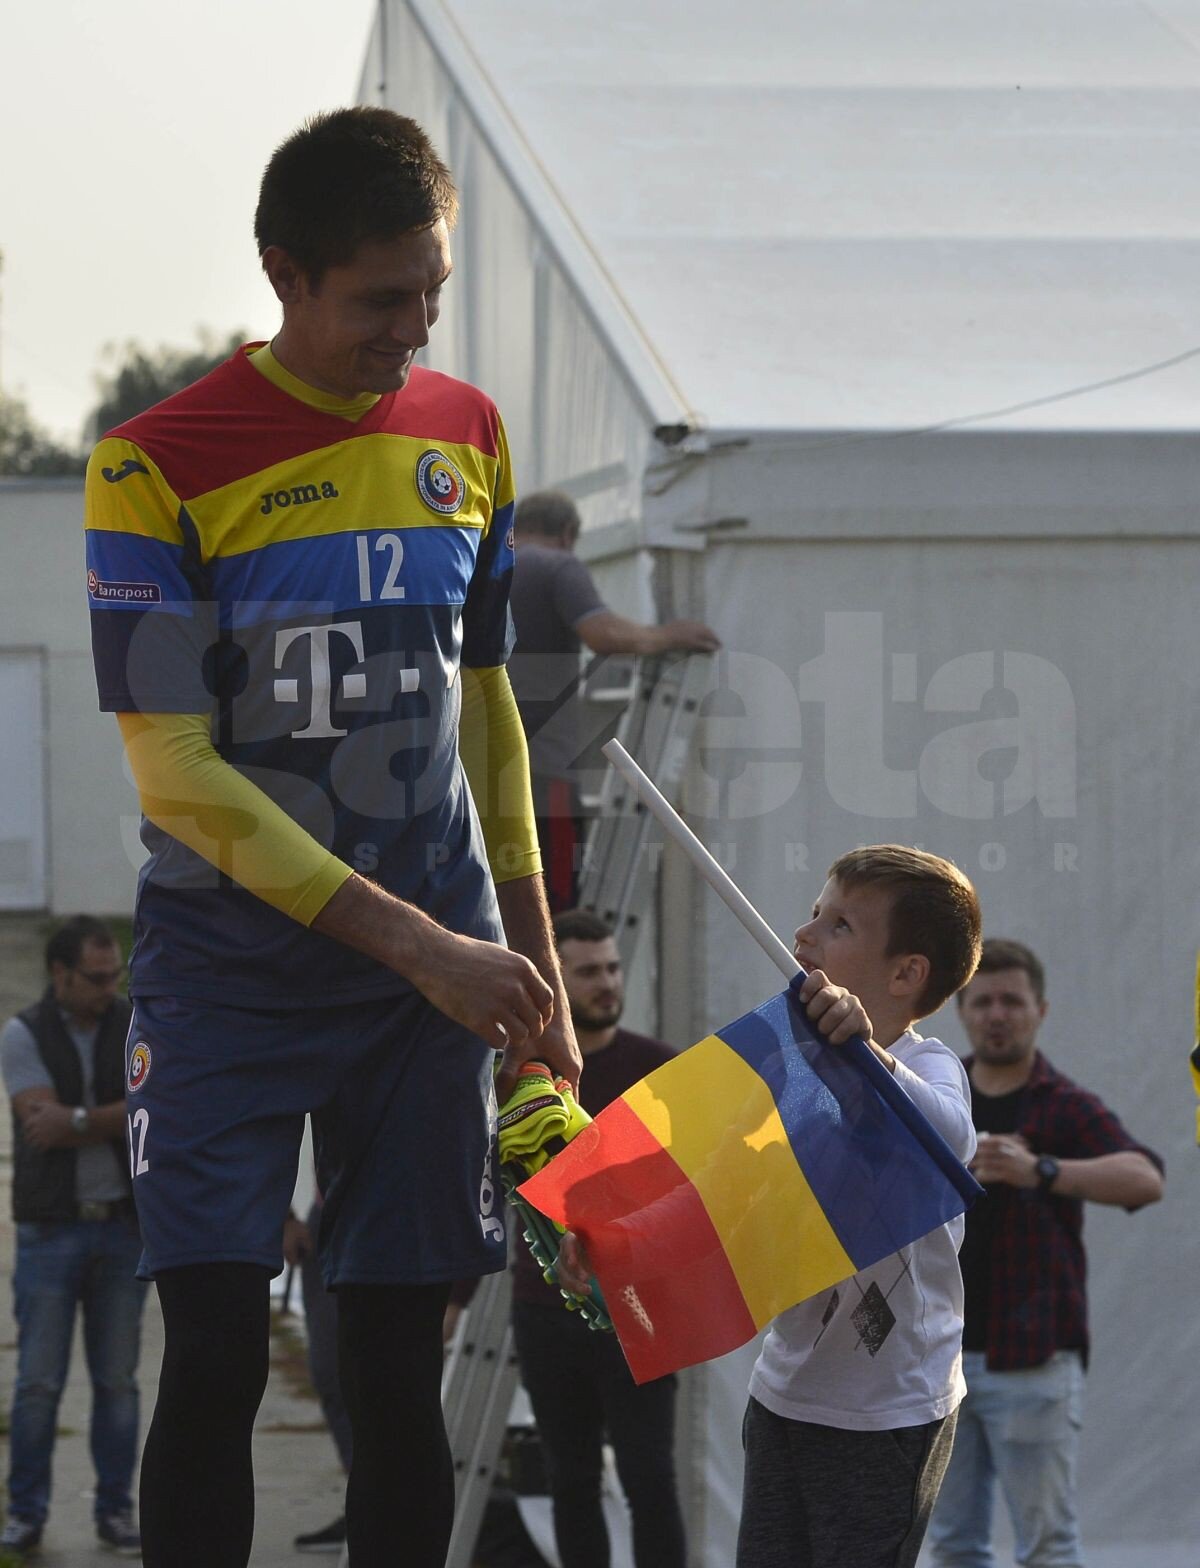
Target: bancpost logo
[105,592]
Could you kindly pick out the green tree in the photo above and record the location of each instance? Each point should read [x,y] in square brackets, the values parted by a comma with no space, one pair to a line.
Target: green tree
[26,449]
[139,377]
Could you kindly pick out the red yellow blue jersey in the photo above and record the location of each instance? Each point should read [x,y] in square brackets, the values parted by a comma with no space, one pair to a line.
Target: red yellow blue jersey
[312,584]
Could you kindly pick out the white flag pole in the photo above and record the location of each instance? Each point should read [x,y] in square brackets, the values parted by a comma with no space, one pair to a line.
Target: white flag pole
[716,877]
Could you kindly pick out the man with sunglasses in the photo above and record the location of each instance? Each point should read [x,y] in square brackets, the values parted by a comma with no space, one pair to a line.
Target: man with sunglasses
[63,1061]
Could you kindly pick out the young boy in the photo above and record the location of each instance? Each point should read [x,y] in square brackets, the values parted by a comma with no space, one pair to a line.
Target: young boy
[853,1397]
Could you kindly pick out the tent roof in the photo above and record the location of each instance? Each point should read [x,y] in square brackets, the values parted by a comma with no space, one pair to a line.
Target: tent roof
[869,216]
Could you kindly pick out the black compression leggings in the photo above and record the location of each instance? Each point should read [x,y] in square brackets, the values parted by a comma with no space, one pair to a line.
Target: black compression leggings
[400,1495]
[197,1488]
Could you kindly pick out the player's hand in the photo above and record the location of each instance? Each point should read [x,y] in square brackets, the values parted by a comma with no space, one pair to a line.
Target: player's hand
[571,1267]
[1004,1158]
[527,927]
[556,1046]
[47,1125]
[835,1011]
[495,993]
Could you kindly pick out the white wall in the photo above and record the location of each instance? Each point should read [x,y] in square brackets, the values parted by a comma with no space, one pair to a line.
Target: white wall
[23,834]
[1027,708]
[91,806]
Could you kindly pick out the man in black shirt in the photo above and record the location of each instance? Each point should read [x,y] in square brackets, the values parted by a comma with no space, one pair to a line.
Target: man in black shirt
[1045,1146]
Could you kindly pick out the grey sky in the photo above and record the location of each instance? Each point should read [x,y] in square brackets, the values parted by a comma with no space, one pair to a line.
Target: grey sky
[132,137]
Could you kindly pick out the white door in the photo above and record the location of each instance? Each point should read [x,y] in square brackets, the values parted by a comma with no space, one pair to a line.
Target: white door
[22,781]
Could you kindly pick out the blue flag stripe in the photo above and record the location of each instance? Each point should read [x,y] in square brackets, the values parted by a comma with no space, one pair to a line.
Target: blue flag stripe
[878,1174]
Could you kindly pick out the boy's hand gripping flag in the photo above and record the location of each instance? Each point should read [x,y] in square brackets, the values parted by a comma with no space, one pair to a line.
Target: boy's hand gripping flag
[752,1172]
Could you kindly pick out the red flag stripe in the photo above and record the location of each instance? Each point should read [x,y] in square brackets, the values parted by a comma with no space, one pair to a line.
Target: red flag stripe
[667,1281]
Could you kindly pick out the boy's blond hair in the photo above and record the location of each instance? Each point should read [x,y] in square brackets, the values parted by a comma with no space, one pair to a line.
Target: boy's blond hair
[935,912]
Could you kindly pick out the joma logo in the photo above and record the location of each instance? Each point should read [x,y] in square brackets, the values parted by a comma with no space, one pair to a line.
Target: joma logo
[298,495]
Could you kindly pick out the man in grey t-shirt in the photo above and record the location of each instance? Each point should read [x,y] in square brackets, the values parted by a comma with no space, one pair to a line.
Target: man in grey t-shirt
[63,1062]
[557,611]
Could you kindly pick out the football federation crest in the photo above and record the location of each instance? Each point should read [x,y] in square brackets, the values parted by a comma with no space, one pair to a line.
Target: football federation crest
[439,483]
[139,1067]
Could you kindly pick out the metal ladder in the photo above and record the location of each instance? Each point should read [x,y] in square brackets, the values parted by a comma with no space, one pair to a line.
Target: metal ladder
[655,726]
[478,1385]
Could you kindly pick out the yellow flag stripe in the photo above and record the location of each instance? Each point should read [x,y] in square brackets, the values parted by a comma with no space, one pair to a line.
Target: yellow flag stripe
[719,1121]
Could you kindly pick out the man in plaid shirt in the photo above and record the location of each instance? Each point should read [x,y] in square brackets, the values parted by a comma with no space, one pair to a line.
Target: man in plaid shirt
[1045,1147]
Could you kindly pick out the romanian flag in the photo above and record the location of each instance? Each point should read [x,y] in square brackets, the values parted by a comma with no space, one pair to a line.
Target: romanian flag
[749,1173]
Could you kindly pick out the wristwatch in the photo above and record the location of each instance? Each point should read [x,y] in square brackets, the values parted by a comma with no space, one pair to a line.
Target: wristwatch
[79,1120]
[1047,1172]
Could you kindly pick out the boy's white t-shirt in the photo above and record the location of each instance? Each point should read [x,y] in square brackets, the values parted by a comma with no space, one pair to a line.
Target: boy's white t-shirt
[884,1348]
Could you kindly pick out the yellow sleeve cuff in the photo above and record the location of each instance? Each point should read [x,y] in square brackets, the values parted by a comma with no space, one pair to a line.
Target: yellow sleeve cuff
[491,743]
[189,791]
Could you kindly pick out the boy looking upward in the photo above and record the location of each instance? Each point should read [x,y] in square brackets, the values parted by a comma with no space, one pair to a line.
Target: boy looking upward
[853,1398]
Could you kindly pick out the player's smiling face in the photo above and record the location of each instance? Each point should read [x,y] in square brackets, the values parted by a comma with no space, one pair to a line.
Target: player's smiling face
[847,938]
[359,329]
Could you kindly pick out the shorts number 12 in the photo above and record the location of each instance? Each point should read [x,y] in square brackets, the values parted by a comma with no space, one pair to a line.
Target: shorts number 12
[138,1124]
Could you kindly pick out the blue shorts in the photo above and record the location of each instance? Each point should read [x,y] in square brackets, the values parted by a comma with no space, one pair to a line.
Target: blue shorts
[404,1126]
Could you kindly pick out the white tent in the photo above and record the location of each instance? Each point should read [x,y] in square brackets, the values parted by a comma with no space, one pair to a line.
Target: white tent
[867,333]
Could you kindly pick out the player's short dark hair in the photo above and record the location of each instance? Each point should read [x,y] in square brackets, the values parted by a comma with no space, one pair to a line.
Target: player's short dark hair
[549,513]
[66,942]
[580,925]
[935,912]
[346,177]
[1001,952]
